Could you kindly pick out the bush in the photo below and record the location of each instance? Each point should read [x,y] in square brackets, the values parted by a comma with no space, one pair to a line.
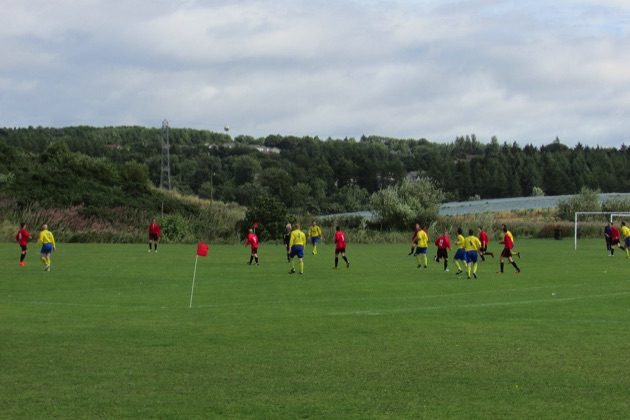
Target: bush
[617,205]
[586,200]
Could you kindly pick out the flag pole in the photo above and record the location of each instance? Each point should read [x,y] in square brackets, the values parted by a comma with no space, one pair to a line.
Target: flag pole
[192,290]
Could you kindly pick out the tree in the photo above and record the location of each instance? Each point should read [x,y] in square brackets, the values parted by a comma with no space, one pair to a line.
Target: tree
[269,214]
[410,201]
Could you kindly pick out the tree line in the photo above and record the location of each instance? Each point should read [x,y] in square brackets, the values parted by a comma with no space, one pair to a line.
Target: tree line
[307,174]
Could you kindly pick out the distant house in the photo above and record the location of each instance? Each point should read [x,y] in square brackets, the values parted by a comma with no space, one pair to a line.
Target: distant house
[258,147]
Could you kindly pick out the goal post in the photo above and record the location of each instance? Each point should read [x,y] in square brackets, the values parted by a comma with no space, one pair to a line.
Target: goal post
[611,216]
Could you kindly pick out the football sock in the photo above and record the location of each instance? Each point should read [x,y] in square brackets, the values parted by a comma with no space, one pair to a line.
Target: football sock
[445,264]
[301,266]
[475,268]
[149,246]
[315,250]
[256,258]
[424,257]
[411,251]
[459,267]
[251,258]
[482,257]
[489,253]
[346,259]
[336,261]
[288,257]
[155,245]
[418,258]
[44,260]
[627,252]
[516,266]
[22,256]
[502,264]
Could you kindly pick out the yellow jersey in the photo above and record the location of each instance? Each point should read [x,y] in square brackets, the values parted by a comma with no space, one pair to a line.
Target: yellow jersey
[297,238]
[422,238]
[314,231]
[625,231]
[472,243]
[460,242]
[46,237]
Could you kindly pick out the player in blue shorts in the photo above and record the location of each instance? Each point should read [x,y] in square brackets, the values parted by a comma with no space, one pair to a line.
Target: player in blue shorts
[460,254]
[296,246]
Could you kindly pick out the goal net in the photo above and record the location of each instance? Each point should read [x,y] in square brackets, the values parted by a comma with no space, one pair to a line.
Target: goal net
[605,216]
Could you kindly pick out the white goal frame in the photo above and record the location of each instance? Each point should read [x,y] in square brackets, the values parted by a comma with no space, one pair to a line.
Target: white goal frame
[578,213]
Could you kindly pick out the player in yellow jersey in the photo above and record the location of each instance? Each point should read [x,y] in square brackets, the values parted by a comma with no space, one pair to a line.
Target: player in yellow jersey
[296,245]
[47,241]
[625,231]
[460,254]
[315,234]
[472,244]
[422,245]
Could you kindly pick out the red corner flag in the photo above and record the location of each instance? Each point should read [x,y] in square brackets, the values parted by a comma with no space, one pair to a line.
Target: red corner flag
[202,249]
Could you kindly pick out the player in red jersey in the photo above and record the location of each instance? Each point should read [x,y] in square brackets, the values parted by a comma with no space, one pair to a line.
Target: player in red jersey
[614,238]
[340,247]
[155,233]
[508,244]
[443,244]
[22,237]
[252,241]
[483,238]
[414,239]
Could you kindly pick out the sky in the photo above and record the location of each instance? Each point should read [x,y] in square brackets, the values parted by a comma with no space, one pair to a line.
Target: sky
[523,71]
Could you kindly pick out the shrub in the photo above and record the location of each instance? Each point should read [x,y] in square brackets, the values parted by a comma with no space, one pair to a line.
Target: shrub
[586,200]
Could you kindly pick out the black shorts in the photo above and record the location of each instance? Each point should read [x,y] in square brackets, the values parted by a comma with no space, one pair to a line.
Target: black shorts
[254,250]
[506,253]
[614,241]
[153,237]
[23,247]
[483,249]
[442,253]
[340,251]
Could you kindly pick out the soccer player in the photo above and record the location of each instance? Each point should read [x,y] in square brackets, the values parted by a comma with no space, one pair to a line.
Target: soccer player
[414,239]
[625,231]
[47,240]
[315,233]
[614,238]
[483,238]
[422,241]
[296,244]
[472,245]
[460,254]
[22,237]
[154,234]
[607,231]
[505,230]
[252,241]
[340,247]
[508,244]
[443,244]
[287,239]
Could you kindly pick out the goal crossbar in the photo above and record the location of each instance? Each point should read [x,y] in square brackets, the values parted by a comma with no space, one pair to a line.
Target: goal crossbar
[586,213]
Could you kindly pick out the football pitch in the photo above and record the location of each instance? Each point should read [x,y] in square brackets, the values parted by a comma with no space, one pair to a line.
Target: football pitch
[108,333]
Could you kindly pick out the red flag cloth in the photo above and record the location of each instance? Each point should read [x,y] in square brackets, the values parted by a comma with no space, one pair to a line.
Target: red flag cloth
[202,249]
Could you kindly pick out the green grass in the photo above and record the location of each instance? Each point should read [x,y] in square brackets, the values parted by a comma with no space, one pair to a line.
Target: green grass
[108,333]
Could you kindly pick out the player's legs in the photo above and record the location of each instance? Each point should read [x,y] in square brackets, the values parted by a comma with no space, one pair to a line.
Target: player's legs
[22,256]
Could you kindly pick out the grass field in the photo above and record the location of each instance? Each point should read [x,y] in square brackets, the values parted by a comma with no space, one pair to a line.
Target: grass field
[108,334]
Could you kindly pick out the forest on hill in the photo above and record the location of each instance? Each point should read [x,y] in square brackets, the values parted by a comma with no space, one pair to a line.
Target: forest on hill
[104,166]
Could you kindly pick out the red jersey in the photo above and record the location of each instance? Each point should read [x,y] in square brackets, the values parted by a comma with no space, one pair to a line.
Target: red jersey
[443,242]
[508,242]
[614,233]
[252,240]
[154,229]
[340,240]
[22,237]
[483,238]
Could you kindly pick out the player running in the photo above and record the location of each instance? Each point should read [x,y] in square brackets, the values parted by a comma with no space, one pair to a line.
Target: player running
[340,247]
[472,244]
[47,240]
[443,244]
[625,231]
[614,238]
[287,239]
[296,244]
[252,241]
[508,244]
[607,231]
[460,254]
[22,237]
[422,244]
[505,230]
[414,239]
[483,250]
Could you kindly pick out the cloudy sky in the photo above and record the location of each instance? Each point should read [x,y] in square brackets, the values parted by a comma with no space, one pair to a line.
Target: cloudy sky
[524,71]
